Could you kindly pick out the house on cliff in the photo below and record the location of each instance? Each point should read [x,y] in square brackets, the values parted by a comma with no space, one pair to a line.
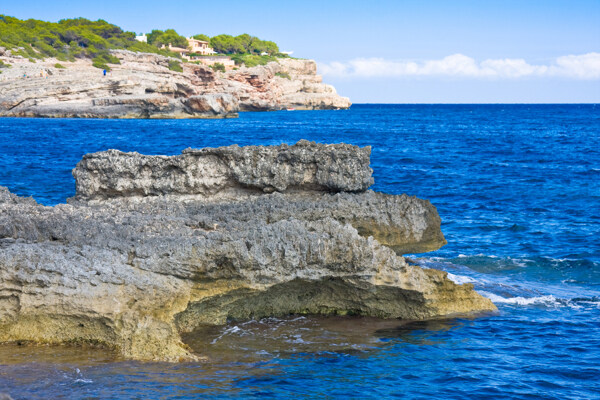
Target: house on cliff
[200,47]
[199,51]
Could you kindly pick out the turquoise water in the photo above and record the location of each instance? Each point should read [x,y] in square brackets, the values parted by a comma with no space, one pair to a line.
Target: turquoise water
[518,190]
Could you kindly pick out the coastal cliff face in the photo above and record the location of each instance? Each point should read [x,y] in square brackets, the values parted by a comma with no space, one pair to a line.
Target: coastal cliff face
[261,88]
[143,86]
[154,246]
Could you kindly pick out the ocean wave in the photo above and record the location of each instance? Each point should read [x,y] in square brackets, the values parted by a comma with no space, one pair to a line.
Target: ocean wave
[228,331]
[579,270]
[545,300]
[460,279]
[296,339]
[524,282]
[78,378]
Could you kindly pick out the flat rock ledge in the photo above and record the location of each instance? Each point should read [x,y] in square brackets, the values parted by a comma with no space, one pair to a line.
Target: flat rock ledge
[144,86]
[152,247]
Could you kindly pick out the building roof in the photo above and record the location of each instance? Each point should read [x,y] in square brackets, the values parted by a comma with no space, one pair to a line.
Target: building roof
[196,40]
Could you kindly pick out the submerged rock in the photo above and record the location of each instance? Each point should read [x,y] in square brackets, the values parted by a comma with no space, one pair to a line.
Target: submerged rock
[154,246]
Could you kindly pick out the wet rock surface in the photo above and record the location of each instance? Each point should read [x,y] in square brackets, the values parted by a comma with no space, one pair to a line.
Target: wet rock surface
[134,263]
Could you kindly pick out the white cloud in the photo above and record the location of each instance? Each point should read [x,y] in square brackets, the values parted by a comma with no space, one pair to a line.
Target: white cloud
[585,66]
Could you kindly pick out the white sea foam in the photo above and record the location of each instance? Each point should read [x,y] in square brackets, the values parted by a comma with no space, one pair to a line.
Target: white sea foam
[460,279]
[228,331]
[81,380]
[476,255]
[547,300]
[79,377]
[297,339]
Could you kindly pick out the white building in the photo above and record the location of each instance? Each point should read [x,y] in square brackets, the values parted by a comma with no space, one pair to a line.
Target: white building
[142,38]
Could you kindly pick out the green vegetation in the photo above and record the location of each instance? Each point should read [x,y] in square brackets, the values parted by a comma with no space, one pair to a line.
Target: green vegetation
[218,67]
[202,37]
[159,38]
[242,44]
[251,60]
[175,66]
[4,65]
[283,75]
[102,60]
[69,39]
[59,66]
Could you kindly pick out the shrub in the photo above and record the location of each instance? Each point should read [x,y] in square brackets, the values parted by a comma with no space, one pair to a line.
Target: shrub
[60,66]
[170,36]
[252,60]
[283,75]
[202,37]
[4,65]
[103,59]
[100,64]
[242,44]
[218,67]
[68,39]
[175,66]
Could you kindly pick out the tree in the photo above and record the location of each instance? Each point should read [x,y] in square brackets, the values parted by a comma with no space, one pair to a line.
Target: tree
[246,41]
[74,38]
[170,36]
[218,67]
[202,37]
[153,36]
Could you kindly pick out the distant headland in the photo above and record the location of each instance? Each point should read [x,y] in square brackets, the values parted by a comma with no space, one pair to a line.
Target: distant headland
[82,68]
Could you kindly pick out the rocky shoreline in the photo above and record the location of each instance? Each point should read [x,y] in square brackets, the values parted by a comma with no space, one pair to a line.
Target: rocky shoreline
[152,247]
[143,86]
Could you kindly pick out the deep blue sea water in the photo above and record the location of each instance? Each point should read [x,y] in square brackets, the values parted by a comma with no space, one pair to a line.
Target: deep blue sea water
[518,191]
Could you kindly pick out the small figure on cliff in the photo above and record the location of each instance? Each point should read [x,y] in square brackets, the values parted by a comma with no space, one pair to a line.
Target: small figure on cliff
[104,72]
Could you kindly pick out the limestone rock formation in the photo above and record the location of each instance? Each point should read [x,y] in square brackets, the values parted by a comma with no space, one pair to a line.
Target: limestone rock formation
[236,170]
[153,246]
[285,84]
[143,86]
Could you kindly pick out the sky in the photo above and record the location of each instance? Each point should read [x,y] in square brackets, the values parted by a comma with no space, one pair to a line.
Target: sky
[421,51]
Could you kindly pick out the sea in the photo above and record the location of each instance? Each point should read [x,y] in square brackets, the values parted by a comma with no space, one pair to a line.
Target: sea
[518,191]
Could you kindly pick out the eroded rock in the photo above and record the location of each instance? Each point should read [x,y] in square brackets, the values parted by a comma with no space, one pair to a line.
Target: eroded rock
[137,259]
[143,86]
[231,170]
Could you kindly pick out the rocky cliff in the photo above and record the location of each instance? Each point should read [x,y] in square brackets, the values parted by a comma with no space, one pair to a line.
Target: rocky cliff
[143,86]
[153,246]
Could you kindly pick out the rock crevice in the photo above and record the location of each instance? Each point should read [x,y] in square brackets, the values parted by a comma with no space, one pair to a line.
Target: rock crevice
[143,86]
[153,246]
[207,172]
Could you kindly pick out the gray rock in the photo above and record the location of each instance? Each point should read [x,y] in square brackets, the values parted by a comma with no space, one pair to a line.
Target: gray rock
[229,170]
[133,270]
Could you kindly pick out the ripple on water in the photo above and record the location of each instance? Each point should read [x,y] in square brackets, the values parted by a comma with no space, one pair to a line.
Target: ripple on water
[518,192]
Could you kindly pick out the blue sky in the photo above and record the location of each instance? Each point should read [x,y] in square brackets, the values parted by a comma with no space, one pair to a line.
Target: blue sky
[395,51]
